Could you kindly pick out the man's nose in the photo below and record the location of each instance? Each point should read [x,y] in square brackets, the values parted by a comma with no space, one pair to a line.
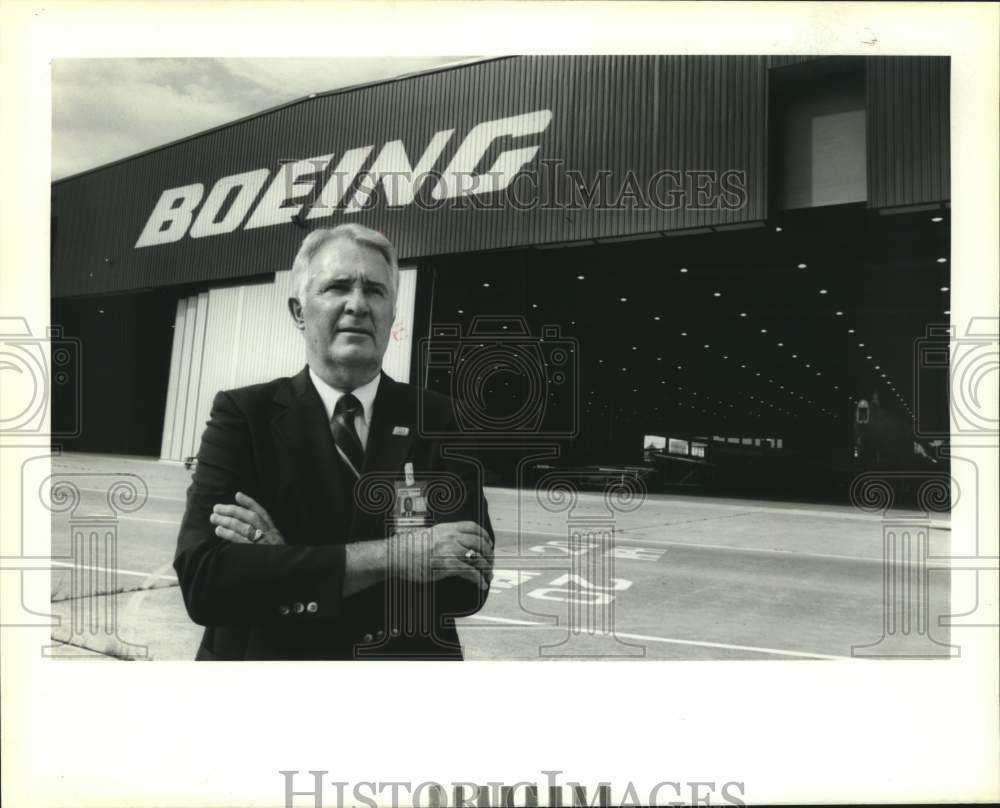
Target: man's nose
[357,301]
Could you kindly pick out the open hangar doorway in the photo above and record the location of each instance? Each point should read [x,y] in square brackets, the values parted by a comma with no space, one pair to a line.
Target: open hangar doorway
[123,355]
[729,361]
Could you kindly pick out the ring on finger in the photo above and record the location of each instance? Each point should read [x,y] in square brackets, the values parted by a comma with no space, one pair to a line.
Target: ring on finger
[256,535]
[470,555]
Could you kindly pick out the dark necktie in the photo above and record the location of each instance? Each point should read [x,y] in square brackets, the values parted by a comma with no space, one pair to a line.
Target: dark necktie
[345,435]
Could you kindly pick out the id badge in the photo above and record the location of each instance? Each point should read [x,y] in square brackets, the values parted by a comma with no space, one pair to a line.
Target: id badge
[410,508]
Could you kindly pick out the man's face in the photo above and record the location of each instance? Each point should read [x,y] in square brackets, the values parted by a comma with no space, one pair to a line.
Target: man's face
[347,311]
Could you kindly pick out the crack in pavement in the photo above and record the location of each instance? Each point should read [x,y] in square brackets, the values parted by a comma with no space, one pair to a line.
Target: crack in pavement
[123,591]
[500,525]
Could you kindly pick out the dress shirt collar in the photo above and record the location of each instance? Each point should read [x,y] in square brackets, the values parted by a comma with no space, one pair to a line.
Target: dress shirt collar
[331,395]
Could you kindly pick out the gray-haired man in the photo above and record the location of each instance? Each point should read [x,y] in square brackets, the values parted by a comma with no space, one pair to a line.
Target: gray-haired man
[281,554]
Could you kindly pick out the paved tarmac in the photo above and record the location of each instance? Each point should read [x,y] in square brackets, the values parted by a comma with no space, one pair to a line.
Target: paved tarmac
[670,577]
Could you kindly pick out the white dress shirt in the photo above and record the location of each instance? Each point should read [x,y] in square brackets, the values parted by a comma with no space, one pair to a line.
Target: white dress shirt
[365,394]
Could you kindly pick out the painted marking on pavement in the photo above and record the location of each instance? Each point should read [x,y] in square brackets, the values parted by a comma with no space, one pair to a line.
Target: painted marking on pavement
[635,553]
[579,547]
[699,545]
[504,579]
[577,589]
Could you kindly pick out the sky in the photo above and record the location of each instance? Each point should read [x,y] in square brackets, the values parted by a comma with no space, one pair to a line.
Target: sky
[107,109]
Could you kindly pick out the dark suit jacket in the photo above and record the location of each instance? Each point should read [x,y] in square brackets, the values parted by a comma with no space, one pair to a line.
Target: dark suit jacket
[273,442]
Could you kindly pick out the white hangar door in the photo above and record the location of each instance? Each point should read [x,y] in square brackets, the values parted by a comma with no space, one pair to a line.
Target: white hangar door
[239,335]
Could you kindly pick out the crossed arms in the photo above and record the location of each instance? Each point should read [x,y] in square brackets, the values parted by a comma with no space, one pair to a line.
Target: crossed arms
[228,579]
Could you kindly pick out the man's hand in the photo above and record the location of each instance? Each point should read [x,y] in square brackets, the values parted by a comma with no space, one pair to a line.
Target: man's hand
[245,523]
[449,549]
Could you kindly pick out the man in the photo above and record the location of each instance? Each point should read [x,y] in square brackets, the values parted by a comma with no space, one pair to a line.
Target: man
[285,550]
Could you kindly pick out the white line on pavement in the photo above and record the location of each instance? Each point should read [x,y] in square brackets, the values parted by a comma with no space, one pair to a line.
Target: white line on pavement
[529,623]
[69,457]
[175,522]
[743,510]
[125,518]
[109,569]
[148,496]
[716,505]
[673,640]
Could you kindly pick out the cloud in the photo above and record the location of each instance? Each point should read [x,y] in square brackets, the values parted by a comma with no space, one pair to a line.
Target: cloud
[107,109]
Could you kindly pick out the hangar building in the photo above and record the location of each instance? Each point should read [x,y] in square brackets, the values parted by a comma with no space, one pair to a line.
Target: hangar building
[698,254]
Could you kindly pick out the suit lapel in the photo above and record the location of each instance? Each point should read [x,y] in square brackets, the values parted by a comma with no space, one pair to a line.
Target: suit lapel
[393,407]
[310,460]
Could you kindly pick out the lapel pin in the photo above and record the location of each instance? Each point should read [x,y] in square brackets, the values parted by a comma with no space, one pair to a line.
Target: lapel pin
[401,430]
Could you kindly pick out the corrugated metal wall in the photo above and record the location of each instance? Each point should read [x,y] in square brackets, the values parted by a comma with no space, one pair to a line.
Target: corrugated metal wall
[628,115]
[233,336]
[908,130]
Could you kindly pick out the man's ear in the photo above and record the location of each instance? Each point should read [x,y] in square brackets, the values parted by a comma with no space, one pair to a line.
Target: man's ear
[295,309]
